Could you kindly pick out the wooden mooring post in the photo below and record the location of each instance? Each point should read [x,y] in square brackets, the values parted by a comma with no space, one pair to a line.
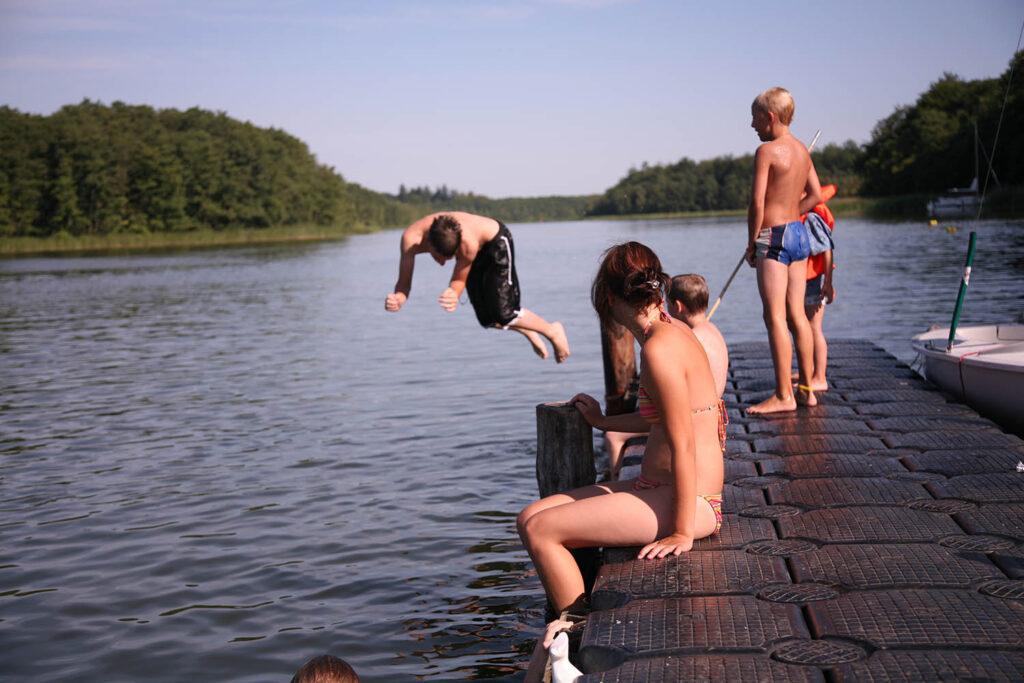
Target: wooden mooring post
[565,461]
[565,449]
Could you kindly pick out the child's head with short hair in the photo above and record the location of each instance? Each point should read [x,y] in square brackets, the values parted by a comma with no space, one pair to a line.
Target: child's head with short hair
[691,290]
[445,235]
[325,669]
[776,101]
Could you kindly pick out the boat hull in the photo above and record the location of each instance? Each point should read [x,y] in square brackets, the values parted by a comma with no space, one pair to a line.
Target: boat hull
[985,369]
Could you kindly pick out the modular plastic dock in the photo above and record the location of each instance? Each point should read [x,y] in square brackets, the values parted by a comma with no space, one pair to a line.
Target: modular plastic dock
[876,537]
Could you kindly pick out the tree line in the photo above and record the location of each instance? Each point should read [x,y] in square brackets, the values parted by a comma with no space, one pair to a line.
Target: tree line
[508,209]
[919,149]
[92,169]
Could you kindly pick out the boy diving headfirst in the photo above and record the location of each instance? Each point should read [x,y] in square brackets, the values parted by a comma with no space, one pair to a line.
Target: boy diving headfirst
[484,267]
[785,187]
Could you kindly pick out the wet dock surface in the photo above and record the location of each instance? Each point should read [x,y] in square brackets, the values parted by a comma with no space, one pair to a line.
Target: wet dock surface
[876,537]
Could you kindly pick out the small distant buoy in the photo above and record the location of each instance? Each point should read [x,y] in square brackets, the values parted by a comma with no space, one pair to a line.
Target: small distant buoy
[951,229]
[933,222]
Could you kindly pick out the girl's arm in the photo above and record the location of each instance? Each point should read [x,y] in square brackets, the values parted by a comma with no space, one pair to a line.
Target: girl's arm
[828,288]
[667,386]
[591,410]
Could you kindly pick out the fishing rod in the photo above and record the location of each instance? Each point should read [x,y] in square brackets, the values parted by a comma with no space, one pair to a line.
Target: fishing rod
[744,257]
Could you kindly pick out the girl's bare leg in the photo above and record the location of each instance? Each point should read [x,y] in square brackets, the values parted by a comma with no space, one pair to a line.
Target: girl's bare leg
[614,441]
[555,333]
[611,514]
[816,316]
[803,336]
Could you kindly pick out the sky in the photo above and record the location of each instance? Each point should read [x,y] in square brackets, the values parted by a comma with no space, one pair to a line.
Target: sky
[503,97]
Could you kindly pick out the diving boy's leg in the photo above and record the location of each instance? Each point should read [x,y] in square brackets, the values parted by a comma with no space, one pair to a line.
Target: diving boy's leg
[772,283]
[535,341]
[802,334]
[555,333]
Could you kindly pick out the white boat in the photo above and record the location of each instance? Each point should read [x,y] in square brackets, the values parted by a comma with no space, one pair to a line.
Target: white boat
[959,202]
[984,369]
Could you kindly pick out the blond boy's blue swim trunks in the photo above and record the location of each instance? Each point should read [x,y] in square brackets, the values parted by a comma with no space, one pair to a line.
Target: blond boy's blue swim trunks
[784,243]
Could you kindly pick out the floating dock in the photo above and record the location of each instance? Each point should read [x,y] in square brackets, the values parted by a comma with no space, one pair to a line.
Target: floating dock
[876,537]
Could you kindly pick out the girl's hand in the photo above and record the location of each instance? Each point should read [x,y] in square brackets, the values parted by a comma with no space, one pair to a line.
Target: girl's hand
[676,544]
[588,407]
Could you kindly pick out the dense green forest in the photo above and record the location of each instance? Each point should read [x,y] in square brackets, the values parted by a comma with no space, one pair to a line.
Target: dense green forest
[91,169]
[929,146]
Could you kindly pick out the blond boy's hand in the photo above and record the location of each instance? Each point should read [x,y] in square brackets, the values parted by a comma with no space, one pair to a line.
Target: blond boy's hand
[394,301]
[751,256]
[449,300]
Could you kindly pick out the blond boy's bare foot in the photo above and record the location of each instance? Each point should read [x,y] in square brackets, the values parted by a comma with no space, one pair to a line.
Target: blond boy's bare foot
[773,404]
[537,342]
[816,386]
[559,341]
[805,396]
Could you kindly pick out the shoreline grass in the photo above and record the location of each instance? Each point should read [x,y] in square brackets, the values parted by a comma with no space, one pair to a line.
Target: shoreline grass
[63,243]
[890,208]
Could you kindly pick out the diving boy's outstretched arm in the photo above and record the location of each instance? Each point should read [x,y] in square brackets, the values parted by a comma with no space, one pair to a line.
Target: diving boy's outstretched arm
[413,242]
[449,298]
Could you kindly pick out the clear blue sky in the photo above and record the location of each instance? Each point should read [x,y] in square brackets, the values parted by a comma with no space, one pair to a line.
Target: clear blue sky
[502,97]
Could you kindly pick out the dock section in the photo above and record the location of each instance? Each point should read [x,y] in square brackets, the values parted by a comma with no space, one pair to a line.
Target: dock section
[876,537]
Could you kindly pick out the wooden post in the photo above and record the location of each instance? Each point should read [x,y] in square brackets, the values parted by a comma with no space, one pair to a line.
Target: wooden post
[565,461]
[565,449]
[619,370]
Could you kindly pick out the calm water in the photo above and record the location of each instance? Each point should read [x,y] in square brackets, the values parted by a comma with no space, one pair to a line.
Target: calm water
[217,464]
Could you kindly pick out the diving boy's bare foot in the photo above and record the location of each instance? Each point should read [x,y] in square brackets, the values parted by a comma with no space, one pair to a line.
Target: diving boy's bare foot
[805,397]
[773,404]
[559,341]
[537,342]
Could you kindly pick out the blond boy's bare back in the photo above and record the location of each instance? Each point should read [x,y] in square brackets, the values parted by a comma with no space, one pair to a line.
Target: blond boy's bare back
[790,165]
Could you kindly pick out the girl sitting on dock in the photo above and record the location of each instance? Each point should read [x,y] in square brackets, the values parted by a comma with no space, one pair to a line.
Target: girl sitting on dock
[678,496]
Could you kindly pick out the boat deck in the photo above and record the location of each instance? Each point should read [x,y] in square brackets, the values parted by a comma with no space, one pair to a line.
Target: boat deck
[878,536]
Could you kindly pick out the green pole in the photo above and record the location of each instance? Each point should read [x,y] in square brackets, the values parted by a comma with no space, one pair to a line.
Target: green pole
[963,290]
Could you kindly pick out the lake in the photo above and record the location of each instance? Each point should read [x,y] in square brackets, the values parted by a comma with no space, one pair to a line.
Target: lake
[217,464]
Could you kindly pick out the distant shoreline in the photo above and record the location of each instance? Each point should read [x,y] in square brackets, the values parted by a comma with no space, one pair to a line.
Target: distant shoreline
[64,244]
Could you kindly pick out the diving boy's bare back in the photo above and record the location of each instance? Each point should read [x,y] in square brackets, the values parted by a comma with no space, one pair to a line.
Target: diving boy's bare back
[785,186]
[485,265]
